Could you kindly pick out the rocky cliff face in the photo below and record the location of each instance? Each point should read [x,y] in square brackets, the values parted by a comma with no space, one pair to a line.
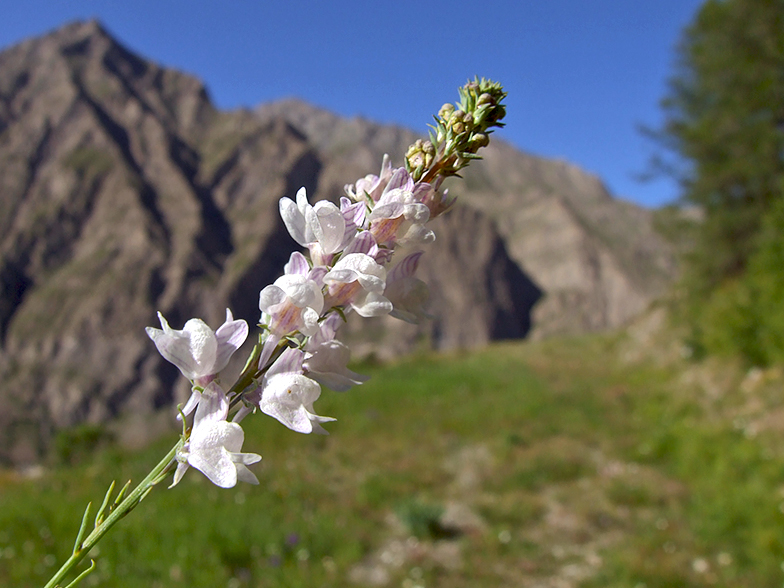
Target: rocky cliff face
[123,191]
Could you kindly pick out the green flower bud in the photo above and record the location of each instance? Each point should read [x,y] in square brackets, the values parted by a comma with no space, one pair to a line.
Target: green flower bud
[485,99]
[446,111]
[420,155]
[479,140]
[456,121]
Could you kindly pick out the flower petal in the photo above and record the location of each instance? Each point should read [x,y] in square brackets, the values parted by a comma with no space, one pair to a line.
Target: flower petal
[230,336]
[289,399]
[289,362]
[191,404]
[245,475]
[213,405]
[203,345]
[214,462]
[293,219]
[405,268]
[182,467]
[369,304]
[175,347]
[298,264]
[328,225]
[270,296]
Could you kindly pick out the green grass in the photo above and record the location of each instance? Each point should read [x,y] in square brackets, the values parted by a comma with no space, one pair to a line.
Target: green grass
[571,464]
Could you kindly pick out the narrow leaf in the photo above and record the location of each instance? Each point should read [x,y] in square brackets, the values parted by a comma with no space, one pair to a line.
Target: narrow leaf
[121,494]
[100,516]
[83,575]
[83,528]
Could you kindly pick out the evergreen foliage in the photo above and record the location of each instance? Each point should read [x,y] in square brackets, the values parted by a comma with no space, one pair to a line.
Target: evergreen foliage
[725,119]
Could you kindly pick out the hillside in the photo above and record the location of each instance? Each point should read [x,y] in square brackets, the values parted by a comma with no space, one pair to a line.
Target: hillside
[601,461]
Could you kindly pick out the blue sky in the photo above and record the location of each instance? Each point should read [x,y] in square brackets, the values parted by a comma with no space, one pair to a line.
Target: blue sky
[582,75]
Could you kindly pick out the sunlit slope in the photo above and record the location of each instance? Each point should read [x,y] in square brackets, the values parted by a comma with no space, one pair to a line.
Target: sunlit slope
[571,461]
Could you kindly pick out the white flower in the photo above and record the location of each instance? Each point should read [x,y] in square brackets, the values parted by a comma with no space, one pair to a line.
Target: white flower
[198,351]
[407,294]
[292,303]
[326,358]
[399,217]
[214,445]
[321,228]
[288,395]
[357,279]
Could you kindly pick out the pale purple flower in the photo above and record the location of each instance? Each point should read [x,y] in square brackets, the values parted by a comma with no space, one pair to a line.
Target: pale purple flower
[320,227]
[198,351]
[398,217]
[407,294]
[292,303]
[326,358]
[357,279]
[288,395]
[215,444]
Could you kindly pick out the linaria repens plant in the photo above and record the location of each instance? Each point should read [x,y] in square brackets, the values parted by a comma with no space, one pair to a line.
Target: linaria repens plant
[348,250]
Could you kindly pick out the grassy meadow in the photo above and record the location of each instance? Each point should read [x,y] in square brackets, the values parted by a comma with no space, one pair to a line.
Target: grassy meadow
[601,461]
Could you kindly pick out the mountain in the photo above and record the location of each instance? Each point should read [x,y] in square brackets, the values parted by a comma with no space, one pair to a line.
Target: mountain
[123,191]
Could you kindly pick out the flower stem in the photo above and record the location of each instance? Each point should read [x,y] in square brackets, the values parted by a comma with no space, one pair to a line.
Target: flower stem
[156,475]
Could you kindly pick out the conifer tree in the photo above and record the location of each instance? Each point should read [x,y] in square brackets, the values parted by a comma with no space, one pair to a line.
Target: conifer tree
[725,121]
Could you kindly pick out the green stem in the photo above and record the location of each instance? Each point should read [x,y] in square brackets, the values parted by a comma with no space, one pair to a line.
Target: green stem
[127,505]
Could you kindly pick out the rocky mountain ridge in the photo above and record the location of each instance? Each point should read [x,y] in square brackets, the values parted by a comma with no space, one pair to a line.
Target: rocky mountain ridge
[123,191]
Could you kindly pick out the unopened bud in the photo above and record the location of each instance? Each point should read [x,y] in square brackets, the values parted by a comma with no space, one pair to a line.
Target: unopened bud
[485,99]
[465,122]
[420,155]
[446,111]
[456,121]
[480,140]
[496,114]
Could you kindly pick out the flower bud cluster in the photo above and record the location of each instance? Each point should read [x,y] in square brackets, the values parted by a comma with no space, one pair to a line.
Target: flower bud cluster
[460,131]
[346,267]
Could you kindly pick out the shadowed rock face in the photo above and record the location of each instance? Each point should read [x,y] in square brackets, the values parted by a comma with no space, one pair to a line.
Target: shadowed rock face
[123,191]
